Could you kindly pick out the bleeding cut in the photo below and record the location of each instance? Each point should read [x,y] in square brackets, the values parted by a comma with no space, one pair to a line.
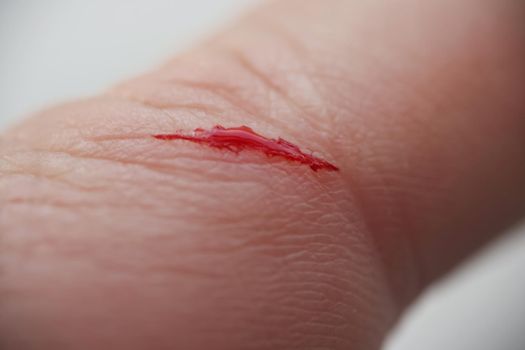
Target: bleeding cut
[240,138]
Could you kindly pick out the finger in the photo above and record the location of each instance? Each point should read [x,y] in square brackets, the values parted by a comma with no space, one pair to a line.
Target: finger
[110,237]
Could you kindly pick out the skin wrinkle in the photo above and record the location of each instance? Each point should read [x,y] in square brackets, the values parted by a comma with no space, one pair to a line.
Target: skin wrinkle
[278,250]
[109,161]
[232,93]
[122,137]
[266,80]
[57,179]
[87,251]
[388,191]
[351,184]
[296,58]
[320,286]
[77,155]
[235,101]
[225,92]
[229,95]
[363,296]
[380,170]
[157,166]
[358,194]
[77,204]
[274,81]
[199,107]
[246,64]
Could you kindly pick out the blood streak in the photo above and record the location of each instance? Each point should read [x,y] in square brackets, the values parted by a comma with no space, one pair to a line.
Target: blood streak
[240,138]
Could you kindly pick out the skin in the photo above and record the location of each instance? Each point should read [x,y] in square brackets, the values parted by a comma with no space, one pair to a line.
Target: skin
[111,239]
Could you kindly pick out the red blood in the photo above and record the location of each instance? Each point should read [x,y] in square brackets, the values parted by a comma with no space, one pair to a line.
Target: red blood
[243,137]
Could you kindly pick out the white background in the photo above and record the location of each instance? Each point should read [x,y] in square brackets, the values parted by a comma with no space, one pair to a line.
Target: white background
[55,50]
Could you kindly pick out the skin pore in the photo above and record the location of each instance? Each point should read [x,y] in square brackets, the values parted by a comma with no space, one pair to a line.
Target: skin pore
[110,239]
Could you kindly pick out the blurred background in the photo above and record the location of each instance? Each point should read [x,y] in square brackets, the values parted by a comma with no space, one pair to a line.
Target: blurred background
[63,49]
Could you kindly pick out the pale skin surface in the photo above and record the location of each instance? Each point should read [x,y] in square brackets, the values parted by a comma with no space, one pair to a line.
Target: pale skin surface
[110,239]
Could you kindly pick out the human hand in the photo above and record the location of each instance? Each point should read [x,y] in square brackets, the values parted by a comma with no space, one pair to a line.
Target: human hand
[111,239]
